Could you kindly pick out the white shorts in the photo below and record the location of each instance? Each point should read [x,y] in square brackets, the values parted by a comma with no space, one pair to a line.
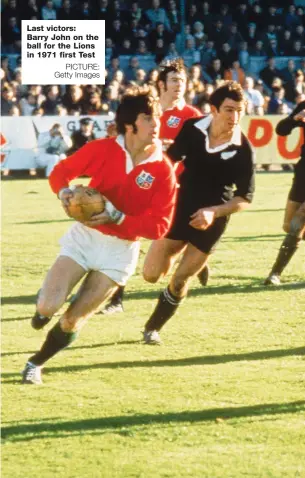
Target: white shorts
[93,250]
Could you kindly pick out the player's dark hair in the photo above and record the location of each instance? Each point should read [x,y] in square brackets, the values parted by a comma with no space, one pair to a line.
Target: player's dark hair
[168,66]
[231,90]
[134,102]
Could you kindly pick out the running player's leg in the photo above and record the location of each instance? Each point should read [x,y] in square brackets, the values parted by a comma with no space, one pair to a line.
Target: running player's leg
[289,246]
[160,258]
[109,262]
[192,262]
[59,282]
[96,288]
[290,211]
[201,244]
[293,225]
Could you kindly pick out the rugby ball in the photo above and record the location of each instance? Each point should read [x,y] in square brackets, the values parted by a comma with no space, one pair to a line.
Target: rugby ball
[85,203]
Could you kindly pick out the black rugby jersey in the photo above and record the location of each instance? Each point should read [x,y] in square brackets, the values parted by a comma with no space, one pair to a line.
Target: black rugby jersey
[286,125]
[212,176]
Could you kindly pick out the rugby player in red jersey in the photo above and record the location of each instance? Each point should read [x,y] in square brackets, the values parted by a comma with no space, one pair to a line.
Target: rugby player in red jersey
[139,185]
[171,85]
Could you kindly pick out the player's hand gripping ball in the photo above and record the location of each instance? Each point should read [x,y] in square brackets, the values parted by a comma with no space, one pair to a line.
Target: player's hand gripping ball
[85,203]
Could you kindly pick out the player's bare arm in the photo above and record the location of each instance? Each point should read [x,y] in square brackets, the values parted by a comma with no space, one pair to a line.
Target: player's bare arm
[204,217]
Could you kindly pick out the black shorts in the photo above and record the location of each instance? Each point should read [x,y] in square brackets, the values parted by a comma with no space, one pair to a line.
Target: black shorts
[297,191]
[205,241]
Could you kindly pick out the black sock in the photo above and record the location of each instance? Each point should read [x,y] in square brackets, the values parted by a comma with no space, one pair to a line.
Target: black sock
[165,309]
[56,340]
[117,297]
[287,249]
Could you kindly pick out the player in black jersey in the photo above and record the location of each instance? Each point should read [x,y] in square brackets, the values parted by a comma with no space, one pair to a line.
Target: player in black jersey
[217,157]
[294,219]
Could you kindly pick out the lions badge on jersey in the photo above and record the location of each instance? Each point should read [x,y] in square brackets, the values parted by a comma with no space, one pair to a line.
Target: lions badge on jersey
[144,180]
[173,121]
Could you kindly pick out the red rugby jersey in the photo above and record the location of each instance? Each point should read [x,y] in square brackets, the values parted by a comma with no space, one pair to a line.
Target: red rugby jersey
[172,119]
[144,193]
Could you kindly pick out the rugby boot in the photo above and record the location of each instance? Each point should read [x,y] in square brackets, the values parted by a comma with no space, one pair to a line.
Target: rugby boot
[31,374]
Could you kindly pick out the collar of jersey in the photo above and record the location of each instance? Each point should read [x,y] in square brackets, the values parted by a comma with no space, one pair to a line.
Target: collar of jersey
[180,105]
[203,125]
[157,155]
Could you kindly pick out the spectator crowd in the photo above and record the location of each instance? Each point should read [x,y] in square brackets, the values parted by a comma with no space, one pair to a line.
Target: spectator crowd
[217,43]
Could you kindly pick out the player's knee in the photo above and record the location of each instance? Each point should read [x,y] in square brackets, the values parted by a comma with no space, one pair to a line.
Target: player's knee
[286,227]
[50,300]
[47,307]
[150,275]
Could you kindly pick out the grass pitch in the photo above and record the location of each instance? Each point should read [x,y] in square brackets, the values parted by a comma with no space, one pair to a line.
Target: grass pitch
[223,397]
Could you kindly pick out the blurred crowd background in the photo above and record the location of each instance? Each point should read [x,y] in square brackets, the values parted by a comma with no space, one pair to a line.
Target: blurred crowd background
[261,44]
